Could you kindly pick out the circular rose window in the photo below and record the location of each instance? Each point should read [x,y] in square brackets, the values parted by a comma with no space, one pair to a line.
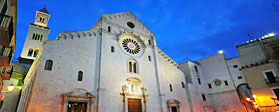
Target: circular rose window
[131,45]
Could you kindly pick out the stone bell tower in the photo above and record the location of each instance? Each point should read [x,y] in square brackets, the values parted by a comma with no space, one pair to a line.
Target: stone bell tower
[37,33]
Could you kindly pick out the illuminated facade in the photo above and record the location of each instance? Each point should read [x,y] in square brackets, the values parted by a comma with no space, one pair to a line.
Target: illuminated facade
[260,66]
[117,66]
[114,66]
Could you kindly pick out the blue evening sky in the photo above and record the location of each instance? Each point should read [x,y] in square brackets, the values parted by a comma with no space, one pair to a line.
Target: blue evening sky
[191,29]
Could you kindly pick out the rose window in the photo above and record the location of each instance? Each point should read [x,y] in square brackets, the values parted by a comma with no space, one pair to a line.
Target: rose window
[131,46]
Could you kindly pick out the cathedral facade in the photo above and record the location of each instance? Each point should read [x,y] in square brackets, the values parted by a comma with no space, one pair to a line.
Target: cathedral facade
[115,66]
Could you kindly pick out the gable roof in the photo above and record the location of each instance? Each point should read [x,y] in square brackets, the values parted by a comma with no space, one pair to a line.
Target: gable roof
[118,15]
[44,10]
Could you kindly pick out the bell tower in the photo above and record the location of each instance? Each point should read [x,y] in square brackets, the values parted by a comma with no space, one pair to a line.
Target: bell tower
[37,33]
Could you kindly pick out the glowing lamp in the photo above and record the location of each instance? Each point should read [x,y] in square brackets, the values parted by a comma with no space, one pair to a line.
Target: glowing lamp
[248,99]
[220,51]
[10,87]
[254,96]
[271,34]
[256,106]
[254,103]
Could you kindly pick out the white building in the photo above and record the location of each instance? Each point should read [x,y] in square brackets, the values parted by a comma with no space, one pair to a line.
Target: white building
[37,33]
[212,83]
[116,66]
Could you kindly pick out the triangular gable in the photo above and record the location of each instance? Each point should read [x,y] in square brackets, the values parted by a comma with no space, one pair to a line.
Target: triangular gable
[119,15]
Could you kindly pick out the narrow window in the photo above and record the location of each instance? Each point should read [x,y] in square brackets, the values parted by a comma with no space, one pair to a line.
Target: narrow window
[30,52]
[226,82]
[170,88]
[33,38]
[108,28]
[196,68]
[182,84]
[48,65]
[149,58]
[112,49]
[41,38]
[235,66]
[209,86]
[36,52]
[80,74]
[149,42]
[130,67]
[203,97]
[135,67]
[199,80]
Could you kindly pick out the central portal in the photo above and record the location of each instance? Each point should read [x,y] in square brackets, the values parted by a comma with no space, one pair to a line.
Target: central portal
[134,105]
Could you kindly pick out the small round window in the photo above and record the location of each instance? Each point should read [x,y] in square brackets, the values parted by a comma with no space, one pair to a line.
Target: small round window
[131,25]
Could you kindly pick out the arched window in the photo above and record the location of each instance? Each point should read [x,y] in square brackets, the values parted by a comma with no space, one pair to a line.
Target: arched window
[182,84]
[109,28]
[48,65]
[80,74]
[130,67]
[170,88]
[30,52]
[112,49]
[36,52]
[133,66]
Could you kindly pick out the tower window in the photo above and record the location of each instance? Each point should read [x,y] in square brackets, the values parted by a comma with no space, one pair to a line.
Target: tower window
[226,82]
[112,49]
[170,88]
[209,86]
[133,66]
[199,80]
[80,74]
[235,66]
[30,52]
[48,65]
[149,58]
[38,37]
[42,19]
[109,28]
[36,52]
[203,97]
[182,84]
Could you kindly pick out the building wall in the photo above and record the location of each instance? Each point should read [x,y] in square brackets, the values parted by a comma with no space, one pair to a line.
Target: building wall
[66,55]
[257,82]
[105,72]
[196,90]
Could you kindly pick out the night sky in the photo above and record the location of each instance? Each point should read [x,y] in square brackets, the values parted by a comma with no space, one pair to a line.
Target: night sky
[192,29]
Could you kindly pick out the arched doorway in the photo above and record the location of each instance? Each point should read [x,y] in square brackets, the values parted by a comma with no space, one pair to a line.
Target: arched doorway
[134,95]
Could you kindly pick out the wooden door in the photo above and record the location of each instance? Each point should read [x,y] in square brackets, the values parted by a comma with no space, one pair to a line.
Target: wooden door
[134,105]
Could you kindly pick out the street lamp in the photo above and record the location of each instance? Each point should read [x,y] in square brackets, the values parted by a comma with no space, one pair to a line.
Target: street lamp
[10,87]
